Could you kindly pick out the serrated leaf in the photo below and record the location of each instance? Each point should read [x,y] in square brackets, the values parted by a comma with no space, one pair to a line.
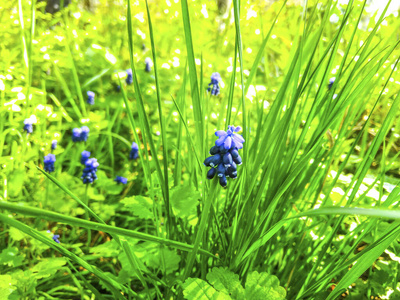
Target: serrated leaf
[263,286]
[196,288]
[139,206]
[48,267]
[171,260]
[184,200]
[10,257]
[6,286]
[226,281]
[108,249]
[16,235]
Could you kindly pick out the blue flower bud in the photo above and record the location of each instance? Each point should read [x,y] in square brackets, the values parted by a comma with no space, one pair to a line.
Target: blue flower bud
[214,150]
[84,133]
[28,125]
[90,99]
[211,173]
[49,161]
[134,154]
[120,179]
[53,144]
[234,153]
[221,170]
[223,181]
[148,63]
[227,159]
[237,160]
[84,157]
[213,160]
[129,78]
[89,172]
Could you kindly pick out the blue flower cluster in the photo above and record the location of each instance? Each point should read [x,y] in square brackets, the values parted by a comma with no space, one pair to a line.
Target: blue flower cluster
[84,156]
[55,237]
[129,78]
[120,179]
[89,172]
[225,155]
[49,161]
[53,144]
[28,125]
[90,99]
[215,80]
[134,154]
[80,134]
[148,63]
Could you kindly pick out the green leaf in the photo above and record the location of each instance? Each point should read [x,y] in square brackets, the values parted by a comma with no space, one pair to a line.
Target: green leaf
[48,267]
[139,206]
[226,281]
[108,249]
[10,257]
[6,286]
[171,259]
[263,286]
[184,200]
[16,182]
[196,288]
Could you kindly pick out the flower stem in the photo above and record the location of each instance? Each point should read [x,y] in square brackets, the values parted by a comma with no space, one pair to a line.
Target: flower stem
[86,199]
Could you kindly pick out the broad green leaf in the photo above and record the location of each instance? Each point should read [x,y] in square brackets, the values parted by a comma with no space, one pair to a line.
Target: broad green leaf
[48,267]
[196,288]
[15,183]
[139,206]
[263,286]
[184,200]
[224,280]
[10,257]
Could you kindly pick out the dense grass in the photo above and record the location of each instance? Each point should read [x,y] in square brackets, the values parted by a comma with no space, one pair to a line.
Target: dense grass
[314,211]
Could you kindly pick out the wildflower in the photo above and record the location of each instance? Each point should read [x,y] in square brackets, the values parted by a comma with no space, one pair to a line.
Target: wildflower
[55,237]
[148,63]
[230,139]
[215,80]
[28,125]
[120,179]
[84,156]
[134,151]
[90,99]
[49,161]
[76,134]
[331,82]
[89,172]
[129,78]
[85,133]
[225,155]
[53,144]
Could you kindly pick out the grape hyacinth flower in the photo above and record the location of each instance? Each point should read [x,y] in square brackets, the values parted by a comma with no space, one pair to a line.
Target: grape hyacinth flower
[84,156]
[134,154]
[225,156]
[90,99]
[148,63]
[129,78]
[49,161]
[28,125]
[55,237]
[80,134]
[53,144]
[331,82]
[215,80]
[89,172]
[120,179]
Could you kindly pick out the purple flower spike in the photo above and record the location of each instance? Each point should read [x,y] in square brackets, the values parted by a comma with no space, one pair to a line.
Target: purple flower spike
[90,99]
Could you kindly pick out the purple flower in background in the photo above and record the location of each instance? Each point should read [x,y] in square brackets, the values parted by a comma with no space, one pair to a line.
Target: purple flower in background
[129,78]
[55,237]
[215,80]
[148,63]
[76,134]
[49,161]
[331,82]
[84,156]
[134,154]
[53,144]
[225,155]
[90,99]
[28,125]
[89,172]
[120,179]
[84,133]
[230,139]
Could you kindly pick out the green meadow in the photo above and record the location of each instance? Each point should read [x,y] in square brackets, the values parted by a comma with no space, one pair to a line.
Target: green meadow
[194,149]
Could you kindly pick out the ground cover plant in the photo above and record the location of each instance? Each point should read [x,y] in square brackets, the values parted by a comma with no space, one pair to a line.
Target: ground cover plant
[199,150]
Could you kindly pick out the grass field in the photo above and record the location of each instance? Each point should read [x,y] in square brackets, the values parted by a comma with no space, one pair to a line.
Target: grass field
[199,150]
